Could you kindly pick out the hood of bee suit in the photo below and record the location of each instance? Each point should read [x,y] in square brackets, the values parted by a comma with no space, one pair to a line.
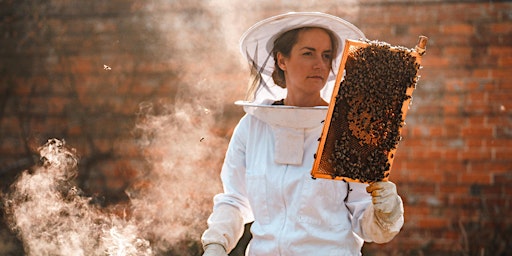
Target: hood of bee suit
[257,42]
[289,125]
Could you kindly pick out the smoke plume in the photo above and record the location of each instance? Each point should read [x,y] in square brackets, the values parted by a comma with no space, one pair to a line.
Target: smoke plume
[169,201]
[51,216]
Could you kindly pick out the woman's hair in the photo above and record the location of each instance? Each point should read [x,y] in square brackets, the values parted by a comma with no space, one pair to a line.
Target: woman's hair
[284,44]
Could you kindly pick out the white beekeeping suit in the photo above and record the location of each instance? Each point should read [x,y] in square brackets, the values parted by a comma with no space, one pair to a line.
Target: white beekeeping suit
[267,180]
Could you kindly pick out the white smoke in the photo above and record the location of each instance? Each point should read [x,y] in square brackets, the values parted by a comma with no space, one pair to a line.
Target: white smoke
[175,196]
[169,202]
[52,217]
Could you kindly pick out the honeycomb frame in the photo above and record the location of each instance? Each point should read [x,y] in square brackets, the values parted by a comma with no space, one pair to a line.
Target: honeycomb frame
[348,147]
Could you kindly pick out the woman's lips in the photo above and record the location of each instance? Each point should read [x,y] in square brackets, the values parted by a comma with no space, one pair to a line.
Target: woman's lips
[316,77]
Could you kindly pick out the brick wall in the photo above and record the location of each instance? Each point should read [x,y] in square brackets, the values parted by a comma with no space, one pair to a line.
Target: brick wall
[452,168]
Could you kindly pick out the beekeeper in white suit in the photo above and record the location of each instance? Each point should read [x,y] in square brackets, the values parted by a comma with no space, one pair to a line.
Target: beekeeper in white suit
[266,174]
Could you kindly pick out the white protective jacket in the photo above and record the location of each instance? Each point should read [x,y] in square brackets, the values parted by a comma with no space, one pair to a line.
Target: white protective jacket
[266,177]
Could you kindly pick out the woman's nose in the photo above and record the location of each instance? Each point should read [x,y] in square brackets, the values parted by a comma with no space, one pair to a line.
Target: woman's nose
[320,63]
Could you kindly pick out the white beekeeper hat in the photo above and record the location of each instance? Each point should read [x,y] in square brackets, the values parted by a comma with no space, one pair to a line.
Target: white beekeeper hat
[257,42]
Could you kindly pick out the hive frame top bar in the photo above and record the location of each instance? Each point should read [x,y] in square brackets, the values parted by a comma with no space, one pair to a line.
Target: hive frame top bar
[417,52]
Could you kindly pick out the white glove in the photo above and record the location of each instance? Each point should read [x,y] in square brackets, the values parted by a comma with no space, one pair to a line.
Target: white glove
[225,227]
[387,204]
[214,250]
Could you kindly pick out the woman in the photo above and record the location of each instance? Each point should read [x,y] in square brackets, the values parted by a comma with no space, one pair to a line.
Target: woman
[266,173]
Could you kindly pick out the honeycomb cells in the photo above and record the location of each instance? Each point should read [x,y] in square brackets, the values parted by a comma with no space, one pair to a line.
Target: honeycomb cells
[368,112]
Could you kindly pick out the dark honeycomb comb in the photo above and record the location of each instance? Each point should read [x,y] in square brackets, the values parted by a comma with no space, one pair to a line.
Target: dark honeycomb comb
[367,111]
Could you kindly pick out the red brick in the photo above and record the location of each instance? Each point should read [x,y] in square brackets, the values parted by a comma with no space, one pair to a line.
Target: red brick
[128,148]
[502,154]
[478,85]
[464,202]
[503,178]
[476,120]
[494,167]
[452,131]
[415,212]
[502,143]
[453,99]
[475,177]
[503,73]
[426,131]
[478,108]
[20,87]
[455,188]
[477,131]
[458,29]
[82,65]
[475,143]
[475,154]
[476,97]
[451,154]
[75,130]
[490,192]
[458,51]
[482,73]
[505,61]
[433,222]
[436,62]
[501,28]
[506,190]
[500,50]
[503,132]
[454,85]
[9,125]
[449,109]
[10,146]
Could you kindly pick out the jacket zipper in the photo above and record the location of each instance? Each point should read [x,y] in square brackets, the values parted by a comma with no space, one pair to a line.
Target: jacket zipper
[285,214]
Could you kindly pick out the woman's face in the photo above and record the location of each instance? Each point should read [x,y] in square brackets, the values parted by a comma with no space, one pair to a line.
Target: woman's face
[307,68]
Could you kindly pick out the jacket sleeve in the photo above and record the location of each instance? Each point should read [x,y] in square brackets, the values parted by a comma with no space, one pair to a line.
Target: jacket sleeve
[231,208]
[364,222]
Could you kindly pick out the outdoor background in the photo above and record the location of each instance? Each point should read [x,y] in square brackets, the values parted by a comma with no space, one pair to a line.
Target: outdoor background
[144,91]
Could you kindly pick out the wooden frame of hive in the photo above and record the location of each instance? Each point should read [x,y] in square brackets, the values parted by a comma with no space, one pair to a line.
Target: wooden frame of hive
[322,169]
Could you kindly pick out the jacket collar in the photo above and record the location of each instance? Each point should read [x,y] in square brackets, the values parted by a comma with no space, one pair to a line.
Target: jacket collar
[289,125]
[286,116]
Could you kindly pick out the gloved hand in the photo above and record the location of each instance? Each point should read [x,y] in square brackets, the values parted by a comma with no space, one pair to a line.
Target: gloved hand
[225,227]
[387,204]
[214,250]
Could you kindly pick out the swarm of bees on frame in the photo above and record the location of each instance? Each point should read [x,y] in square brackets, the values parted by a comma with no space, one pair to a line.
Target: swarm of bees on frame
[367,115]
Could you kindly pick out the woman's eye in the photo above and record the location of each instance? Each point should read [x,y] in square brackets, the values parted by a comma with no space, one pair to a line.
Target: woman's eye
[307,54]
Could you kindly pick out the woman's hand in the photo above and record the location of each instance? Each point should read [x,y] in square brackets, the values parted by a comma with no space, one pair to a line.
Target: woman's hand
[386,202]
